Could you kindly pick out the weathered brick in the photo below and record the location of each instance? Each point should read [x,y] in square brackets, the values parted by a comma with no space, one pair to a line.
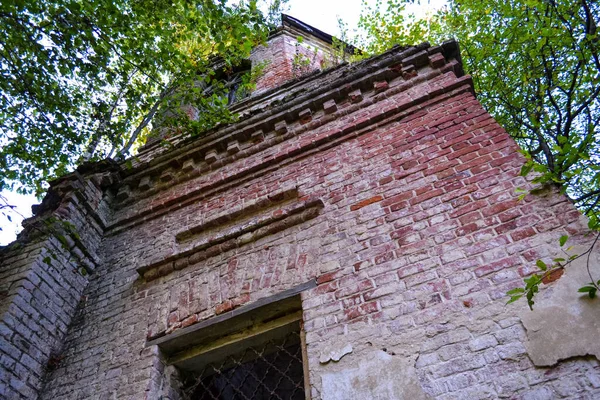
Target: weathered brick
[366,202]
[355,96]
[305,116]
[399,206]
[233,147]
[329,106]
[482,342]
[380,86]
[280,127]
[211,156]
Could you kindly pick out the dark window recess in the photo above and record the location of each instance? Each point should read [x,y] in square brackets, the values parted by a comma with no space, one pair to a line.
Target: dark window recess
[235,91]
[232,79]
[273,370]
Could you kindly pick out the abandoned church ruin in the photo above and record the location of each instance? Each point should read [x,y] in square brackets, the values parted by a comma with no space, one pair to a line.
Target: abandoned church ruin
[352,236]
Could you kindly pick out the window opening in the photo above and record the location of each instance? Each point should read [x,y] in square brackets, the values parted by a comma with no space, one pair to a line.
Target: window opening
[254,352]
[273,370]
[232,80]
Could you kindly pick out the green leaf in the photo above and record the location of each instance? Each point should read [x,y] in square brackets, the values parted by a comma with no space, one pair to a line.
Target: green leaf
[513,299]
[526,169]
[541,265]
[530,301]
[590,290]
[563,240]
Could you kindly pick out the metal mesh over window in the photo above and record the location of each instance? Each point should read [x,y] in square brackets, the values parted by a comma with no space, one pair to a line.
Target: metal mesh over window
[272,370]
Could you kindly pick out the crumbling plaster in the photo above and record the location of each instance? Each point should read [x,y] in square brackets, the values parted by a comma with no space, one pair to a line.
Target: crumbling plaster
[374,375]
[565,323]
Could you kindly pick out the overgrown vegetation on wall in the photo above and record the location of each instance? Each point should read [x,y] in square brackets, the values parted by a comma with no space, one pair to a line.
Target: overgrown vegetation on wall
[82,81]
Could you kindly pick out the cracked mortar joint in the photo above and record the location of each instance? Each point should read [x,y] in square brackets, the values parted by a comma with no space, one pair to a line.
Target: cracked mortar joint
[335,354]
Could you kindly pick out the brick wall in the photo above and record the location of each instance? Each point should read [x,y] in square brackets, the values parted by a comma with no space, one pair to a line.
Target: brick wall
[282,51]
[37,316]
[42,279]
[388,184]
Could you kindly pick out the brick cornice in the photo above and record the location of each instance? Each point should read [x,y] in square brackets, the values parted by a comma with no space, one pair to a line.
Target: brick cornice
[286,101]
[368,81]
[327,139]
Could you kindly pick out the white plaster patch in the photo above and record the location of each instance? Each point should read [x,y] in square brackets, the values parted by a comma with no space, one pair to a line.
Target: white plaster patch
[377,375]
[565,323]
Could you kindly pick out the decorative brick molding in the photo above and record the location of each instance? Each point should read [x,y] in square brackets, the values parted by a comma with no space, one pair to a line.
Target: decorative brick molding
[274,120]
[211,239]
[211,181]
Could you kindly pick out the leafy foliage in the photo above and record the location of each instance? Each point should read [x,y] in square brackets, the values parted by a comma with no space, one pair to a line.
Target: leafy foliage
[544,87]
[550,273]
[83,80]
[383,27]
[304,59]
[6,209]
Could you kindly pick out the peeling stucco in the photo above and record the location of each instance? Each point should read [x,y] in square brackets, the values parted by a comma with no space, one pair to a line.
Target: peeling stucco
[373,375]
[565,323]
[335,353]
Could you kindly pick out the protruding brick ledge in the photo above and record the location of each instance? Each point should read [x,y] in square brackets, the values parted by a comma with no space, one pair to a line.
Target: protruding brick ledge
[234,236]
[236,216]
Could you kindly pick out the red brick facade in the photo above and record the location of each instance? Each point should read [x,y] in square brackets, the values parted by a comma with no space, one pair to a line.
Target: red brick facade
[386,183]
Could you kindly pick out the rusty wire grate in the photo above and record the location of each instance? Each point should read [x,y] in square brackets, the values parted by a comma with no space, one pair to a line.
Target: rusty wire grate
[272,371]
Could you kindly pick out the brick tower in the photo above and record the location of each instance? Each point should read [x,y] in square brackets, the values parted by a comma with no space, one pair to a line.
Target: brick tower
[353,235]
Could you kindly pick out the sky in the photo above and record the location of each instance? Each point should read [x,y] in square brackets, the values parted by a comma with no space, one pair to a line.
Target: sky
[23,208]
[322,14]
